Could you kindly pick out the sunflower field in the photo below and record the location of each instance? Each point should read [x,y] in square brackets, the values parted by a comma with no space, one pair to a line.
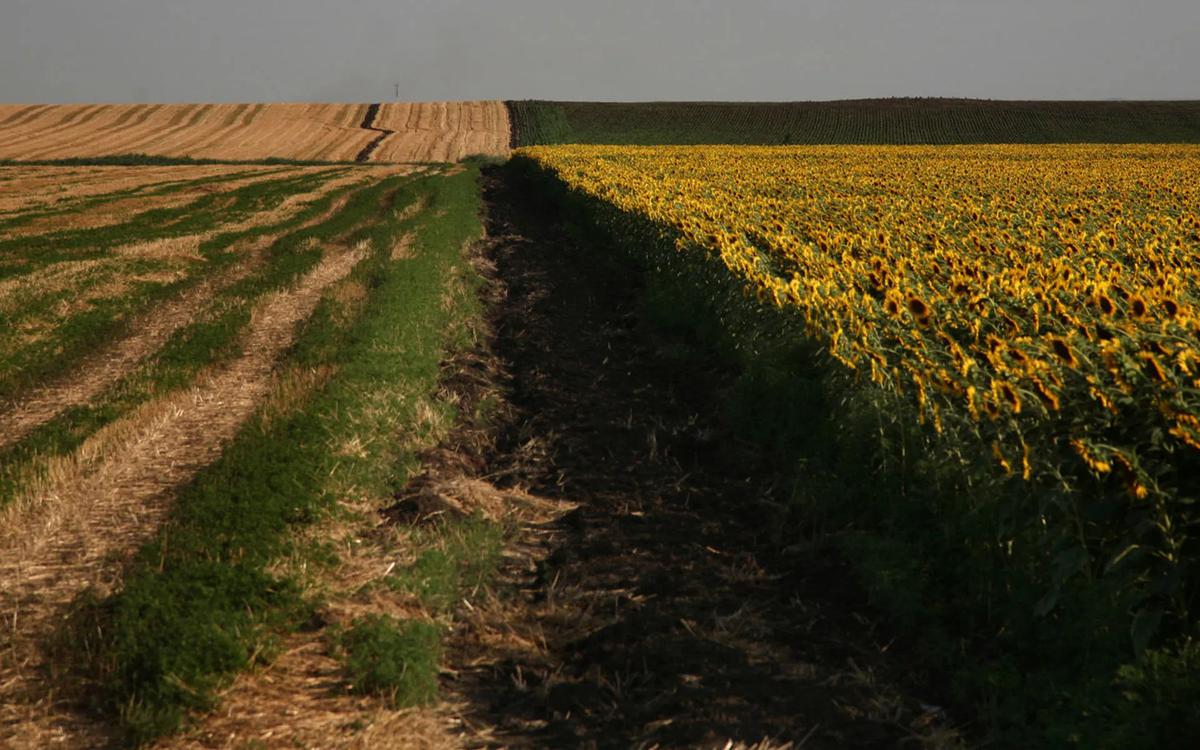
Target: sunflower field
[1036,308]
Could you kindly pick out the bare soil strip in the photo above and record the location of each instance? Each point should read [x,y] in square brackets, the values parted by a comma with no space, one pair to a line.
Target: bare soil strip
[150,331]
[108,498]
[661,612]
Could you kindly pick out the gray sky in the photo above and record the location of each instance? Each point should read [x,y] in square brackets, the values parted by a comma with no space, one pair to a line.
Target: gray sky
[354,50]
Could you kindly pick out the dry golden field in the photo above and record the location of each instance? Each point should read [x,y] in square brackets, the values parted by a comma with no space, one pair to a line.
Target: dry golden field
[431,131]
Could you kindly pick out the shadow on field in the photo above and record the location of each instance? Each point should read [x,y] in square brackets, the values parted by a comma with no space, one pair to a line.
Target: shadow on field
[660,612]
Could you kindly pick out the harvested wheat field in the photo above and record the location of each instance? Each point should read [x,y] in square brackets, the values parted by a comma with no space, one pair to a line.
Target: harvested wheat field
[430,131]
[161,314]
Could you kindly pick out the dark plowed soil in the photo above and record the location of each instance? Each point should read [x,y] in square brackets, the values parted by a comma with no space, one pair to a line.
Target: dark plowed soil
[664,611]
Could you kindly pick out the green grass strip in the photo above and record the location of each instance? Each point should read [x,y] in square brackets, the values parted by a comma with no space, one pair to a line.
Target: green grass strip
[392,658]
[199,603]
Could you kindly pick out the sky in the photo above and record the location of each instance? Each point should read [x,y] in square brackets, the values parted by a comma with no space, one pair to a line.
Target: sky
[620,50]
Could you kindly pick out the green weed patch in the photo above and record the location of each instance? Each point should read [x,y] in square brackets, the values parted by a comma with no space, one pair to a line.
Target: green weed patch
[391,658]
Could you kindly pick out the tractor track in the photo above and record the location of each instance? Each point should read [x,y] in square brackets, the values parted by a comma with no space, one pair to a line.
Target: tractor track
[368,123]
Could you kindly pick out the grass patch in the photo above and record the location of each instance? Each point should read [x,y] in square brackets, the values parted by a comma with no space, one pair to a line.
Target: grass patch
[457,558]
[394,659]
[23,254]
[105,319]
[198,602]
[143,191]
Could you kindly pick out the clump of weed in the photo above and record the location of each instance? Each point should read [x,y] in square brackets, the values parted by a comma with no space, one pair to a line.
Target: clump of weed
[459,557]
[394,659]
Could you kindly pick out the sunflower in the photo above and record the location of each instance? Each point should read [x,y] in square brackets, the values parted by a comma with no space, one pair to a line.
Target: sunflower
[1187,429]
[1006,393]
[1000,459]
[971,408]
[1138,307]
[1048,397]
[1153,368]
[1062,350]
[1094,462]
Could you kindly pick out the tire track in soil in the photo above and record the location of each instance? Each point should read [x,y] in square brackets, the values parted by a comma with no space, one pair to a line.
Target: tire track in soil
[97,510]
[149,332]
[368,123]
[659,613]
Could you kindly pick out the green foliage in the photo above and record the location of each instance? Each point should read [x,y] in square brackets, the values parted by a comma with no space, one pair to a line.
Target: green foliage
[868,121]
[397,660]
[534,123]
[459,557]
[1160,694]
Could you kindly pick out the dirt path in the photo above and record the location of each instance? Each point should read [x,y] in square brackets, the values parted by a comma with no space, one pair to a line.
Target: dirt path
[112,494]
[150,331]
[659,613]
